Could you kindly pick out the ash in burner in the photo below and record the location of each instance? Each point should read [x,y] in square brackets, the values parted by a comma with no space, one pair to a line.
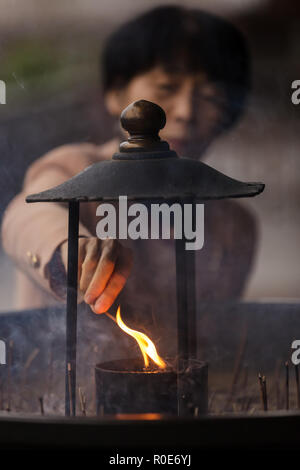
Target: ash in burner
[136,365]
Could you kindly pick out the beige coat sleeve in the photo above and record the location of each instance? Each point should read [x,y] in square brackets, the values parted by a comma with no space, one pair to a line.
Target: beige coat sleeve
[31,233]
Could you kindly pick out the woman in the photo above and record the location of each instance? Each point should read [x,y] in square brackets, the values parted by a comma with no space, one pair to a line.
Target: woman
[196,67]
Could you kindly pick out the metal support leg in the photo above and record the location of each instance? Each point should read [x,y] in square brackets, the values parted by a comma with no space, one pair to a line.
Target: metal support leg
[71,319]
[186,313]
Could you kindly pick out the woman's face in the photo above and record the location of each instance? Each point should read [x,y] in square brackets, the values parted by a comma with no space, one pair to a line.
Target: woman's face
[193,105]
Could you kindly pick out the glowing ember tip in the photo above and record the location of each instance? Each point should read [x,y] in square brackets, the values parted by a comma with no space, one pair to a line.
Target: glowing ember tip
[146,345]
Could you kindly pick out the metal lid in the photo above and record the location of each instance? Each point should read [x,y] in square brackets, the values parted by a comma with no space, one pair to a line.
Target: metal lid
[145,168]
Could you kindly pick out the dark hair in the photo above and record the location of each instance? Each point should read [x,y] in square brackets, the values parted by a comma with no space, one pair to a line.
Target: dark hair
[172,34]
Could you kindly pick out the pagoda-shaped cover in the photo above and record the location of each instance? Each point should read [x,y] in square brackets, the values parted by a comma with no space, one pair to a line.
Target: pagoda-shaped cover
[145,168]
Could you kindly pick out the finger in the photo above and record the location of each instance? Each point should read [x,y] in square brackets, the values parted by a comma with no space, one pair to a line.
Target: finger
[115,283]
[103,272]
[82,243]
[81,255]
[89,264]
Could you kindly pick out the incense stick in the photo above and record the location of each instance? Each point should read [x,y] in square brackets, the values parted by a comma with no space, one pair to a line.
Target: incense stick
[261,388]
[82,401]
[109,315]
[70,387]
[41,401]
[264,382]
[263,391]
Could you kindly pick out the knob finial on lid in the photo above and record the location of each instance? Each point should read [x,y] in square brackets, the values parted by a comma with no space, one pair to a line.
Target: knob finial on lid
[143,120]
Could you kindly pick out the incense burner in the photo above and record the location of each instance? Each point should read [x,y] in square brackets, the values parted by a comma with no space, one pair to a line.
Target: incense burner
[126,386]
[145,168]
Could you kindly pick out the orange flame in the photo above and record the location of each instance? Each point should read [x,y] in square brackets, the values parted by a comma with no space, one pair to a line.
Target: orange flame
[146,345]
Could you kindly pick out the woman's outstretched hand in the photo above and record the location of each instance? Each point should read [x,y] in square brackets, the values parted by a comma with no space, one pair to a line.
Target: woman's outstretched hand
[103,269]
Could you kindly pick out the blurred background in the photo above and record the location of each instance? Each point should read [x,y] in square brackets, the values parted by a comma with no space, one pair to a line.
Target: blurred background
[49,60]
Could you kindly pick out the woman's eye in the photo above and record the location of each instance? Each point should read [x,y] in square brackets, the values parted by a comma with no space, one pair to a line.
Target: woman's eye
[215,99]
[212,94]
[167,87]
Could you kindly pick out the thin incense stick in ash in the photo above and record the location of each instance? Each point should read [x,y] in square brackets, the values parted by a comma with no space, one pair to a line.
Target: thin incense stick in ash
[82,401]
[263,391]
[70,386]
[41,402]
[264,381]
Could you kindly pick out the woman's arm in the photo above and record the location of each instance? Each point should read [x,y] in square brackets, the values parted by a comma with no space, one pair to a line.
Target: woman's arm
[35,235]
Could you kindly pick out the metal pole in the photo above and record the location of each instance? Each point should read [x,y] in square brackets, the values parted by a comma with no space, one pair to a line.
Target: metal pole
[186,313]
[71,318]
[182,304]
[191,293]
